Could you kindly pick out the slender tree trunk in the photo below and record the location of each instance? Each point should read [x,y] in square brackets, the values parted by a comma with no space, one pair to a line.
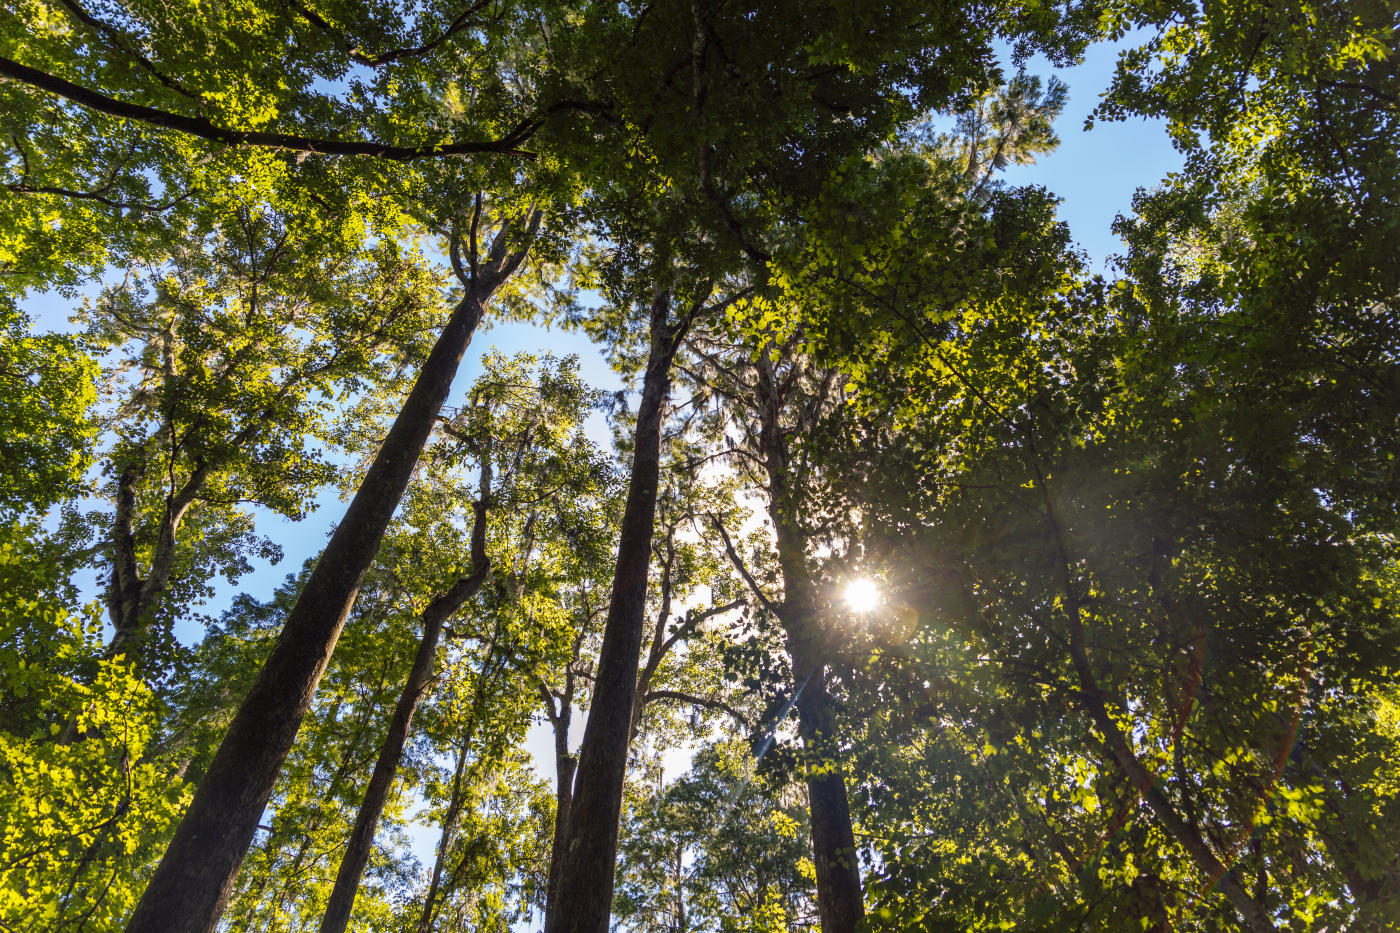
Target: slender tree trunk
[839,897]
[361,841]
[681,924]
[1251,912]
[192,884]
[564,765]
[449,823]
[583,897]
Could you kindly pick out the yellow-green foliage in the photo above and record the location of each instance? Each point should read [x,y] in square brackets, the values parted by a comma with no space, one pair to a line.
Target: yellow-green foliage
[83,808]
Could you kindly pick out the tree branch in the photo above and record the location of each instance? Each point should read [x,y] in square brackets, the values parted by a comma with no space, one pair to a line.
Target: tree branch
[199,126]
[707,702]
[743,568]
[461,21]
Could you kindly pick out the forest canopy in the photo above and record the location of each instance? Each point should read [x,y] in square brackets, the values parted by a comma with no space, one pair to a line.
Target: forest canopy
[910,572]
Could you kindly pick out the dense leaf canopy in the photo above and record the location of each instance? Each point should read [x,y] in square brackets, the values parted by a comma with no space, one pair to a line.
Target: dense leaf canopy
[579,660]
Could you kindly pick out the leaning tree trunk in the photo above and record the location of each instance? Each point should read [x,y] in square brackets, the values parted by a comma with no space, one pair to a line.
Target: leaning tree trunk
[435,616]
[582,899]
[195,877]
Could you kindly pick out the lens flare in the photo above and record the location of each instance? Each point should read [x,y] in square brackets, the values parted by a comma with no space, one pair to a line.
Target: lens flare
[862,595]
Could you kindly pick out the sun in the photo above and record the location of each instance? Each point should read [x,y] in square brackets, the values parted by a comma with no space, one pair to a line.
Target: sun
[862,595]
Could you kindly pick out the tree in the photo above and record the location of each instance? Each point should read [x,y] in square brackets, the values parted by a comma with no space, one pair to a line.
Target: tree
[299,327]
[1133,662]
[727,156]
[194,879]
[522,431]
[1072,529]
[79,819]
[46,383]
[678,655]
[720,849]
[773,398]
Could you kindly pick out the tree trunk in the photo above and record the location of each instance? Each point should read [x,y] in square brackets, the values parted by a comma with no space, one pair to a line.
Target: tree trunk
[840,901]
[192,884]
[564,765]
[361,841]
[583,897]
[449,823]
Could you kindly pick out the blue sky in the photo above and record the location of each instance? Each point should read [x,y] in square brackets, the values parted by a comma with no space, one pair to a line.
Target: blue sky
[1096,172]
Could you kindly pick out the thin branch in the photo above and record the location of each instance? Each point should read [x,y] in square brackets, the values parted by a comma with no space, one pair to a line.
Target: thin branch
[693,620]
[743,568]
[95,195]
[111,34]
[462,21]
[707,702]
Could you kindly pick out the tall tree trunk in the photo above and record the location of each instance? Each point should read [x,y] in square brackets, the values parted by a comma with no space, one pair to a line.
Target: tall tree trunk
[839,897]
[361,841]
[195,877]
[565,764]
[840,901]
[583,897]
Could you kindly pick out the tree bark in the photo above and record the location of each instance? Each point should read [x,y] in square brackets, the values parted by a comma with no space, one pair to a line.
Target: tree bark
[194,879]
[564,765]
[361,841]
[130,598]
[583,897]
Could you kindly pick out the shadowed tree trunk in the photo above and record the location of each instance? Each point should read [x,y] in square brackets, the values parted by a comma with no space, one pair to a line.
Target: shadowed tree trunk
[564,765]
[840,901]
[192,884]
[582,900]
[361,841]
[839,897]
